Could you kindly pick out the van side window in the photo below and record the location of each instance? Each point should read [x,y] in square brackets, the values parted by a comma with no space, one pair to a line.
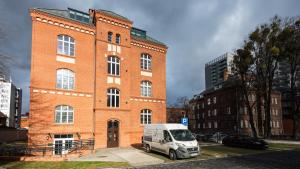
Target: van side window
[167,136]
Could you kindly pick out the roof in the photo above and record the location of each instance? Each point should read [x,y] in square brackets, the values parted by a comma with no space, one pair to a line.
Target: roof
[69,14]
[64,14]
[113,14]
[148,39]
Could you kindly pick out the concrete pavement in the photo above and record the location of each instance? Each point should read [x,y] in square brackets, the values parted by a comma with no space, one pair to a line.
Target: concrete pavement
[134,157]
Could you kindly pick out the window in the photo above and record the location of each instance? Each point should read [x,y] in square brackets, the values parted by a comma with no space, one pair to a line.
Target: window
[65,79]
[118,38]
[228,110]
[209,124]
[208,113]
[246,124]
[64,114]
[277,124]
[113,67]
[146,116]
[109,36]
[62,143]
[242,124]
[202,115]
[145,61]
[198,125]
[275,100]
[215,124]
[146,88]
[113,97]
[202,105]
[208,101]
[215,112]
[66,45]
[215,100]
[204,125]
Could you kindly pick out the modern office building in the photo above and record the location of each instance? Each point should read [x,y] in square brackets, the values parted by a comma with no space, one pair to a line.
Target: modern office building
[10,102]
[93,76]
[218,70]
[223,110]
[282,84]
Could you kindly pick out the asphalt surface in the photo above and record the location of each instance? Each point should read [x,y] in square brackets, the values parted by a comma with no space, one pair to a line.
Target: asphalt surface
[273,160]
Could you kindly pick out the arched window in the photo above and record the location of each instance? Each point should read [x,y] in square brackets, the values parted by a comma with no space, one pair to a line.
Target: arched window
[113,67]
[66,45]
[113,97]
[109,36]
[146,116]
[65,79]
[146,61]
[118,38]
[64,114]
[146,88]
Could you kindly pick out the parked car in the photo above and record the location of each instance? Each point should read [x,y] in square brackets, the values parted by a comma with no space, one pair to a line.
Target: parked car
[199,136]
[218,137]
[245,142]
[174,140]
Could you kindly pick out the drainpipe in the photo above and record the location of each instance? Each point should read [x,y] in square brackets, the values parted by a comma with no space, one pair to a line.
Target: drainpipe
[94,98]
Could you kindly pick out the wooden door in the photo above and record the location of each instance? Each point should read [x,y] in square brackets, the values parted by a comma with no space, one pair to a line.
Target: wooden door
[112,133]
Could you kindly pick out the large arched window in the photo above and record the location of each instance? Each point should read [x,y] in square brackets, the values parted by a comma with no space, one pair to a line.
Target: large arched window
[113,65]
[118,38]
[146,88]
[146,116]
[109,36]
[66,45]
[146,61]
[65,79]
[64,114]
[113,97]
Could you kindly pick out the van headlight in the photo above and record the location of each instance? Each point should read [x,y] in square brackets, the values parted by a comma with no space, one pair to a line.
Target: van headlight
[180,144]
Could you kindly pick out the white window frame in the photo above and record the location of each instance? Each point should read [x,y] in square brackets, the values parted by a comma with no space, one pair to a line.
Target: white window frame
[113,97]
[64,45]
[146,88]
[146,116]
[59,111]
[113,66]
[146,62]
[64,140]
[67,74]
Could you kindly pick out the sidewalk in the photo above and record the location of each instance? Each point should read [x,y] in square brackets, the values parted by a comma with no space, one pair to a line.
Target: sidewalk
[282,141]
[133,156]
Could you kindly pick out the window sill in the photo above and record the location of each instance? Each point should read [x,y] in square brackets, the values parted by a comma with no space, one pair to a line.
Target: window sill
[64,55]
[115,76]
[67,124]
[145,70]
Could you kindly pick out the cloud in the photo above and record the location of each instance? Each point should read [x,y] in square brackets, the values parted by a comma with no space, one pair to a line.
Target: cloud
[196,31]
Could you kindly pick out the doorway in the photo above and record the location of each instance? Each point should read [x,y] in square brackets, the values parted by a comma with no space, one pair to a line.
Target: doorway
[112,133]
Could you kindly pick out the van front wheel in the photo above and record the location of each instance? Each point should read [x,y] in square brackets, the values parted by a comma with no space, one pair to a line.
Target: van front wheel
[172,155]
[148,150]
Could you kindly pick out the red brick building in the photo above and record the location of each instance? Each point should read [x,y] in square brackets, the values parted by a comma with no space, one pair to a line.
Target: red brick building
[175,114]
[222,109]
[93,76]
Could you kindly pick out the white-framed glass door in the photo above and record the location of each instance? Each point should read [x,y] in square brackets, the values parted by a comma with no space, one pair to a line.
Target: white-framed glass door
[62,143]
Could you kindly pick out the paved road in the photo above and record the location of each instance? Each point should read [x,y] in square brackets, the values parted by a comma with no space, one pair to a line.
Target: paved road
[274,160]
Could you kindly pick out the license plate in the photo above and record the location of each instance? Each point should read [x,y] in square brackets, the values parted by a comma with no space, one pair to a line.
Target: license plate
[194,154]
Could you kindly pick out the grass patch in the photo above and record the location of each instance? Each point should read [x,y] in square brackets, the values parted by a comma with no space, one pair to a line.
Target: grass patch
[61,164]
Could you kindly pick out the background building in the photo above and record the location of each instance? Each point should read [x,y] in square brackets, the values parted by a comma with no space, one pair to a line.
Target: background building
[174,115]
[223,110]
[93,75]
[10,102]
[217,70]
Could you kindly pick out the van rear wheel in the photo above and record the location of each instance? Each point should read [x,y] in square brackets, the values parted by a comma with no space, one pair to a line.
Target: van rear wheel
[172,155]
[148,150]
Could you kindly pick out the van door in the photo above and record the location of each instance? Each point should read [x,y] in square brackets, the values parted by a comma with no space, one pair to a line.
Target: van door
[167,143]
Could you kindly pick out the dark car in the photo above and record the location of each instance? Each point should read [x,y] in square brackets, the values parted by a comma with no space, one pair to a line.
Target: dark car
[245,142]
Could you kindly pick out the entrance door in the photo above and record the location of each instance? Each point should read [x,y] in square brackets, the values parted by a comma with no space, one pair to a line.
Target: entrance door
[62,143]
[112,133]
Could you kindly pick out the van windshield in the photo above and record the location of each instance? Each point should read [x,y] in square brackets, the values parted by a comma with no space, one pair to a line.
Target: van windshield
[182,135]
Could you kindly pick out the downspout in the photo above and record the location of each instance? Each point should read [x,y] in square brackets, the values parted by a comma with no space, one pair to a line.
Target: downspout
[94,98]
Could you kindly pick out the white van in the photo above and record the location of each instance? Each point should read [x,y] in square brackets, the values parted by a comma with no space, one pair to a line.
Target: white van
[174,140]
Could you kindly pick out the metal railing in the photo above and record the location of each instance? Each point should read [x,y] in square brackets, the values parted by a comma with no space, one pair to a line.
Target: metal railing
[50,149]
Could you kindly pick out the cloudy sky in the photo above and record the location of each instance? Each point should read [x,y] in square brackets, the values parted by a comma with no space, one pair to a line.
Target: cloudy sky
[196,31]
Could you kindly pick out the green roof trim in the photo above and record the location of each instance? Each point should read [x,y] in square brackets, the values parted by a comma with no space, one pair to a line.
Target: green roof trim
[66,14]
